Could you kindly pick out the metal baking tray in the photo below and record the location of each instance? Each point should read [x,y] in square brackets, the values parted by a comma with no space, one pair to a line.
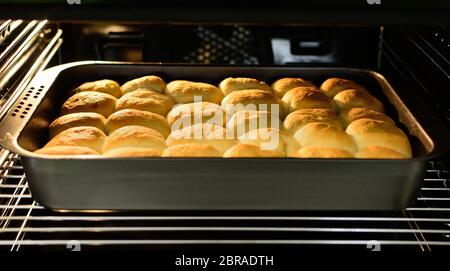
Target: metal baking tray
[212,183]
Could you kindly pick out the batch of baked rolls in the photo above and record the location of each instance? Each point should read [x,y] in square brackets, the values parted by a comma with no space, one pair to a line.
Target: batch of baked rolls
[240,117]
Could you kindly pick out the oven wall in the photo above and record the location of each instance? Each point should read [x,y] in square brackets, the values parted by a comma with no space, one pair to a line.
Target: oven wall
[219,44]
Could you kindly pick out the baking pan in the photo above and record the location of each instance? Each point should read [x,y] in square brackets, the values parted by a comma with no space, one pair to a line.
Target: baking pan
[84,183]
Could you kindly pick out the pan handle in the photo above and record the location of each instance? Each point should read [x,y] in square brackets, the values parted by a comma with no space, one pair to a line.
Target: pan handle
[19,113]
[418,112]
[434,125]
[22,109]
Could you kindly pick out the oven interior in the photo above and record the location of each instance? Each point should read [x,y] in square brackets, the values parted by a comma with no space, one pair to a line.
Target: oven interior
[414,59]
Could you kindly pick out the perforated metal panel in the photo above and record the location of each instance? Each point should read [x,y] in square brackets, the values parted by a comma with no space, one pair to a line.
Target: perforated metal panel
[229,45]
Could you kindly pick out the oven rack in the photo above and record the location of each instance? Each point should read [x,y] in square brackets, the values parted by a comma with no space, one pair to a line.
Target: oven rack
[25,225]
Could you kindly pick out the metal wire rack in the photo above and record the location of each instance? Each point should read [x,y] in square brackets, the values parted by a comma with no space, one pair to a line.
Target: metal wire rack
[26,225]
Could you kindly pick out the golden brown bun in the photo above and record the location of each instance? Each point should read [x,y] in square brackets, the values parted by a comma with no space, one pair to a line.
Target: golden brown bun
[128,117]
[90,101]
[183,92]
[136,137]
[367,132]
[292,145]
[333,86]
[265,139]
[146,100]
[350,115]
[192,150]
[231,84]
[104,86]
[318,134]
[377,152]
[283,85]
[133,152]
[248,150]
[66,151]
[353,98]
[252,99]
[246,120]
[306,98]
[321,152]
[297,119]
[150,82]
[83,136]
[213,135]
[184,115]
[76,119]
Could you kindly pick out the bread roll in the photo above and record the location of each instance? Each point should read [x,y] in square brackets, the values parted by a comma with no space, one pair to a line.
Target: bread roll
[104,86]
[292,145]
[66,151]
[377,152]
[297,119]
[83,136]
[353,98]
[185,115]
[183,91]
[128,117]
[318,134]
[146,100]
[248,150]
[306,98]
[368,132]
[252,99]
[265,139]
[75,120]
[333,86]
[132,152]
[90,101]
[231,84]
[150,82]
[283,85]
[321,152]
[350,115]
[244,121]
[192,150]
[136,137]
[213,135]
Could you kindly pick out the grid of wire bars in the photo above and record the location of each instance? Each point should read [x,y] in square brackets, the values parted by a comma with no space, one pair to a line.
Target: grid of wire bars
[25,225]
